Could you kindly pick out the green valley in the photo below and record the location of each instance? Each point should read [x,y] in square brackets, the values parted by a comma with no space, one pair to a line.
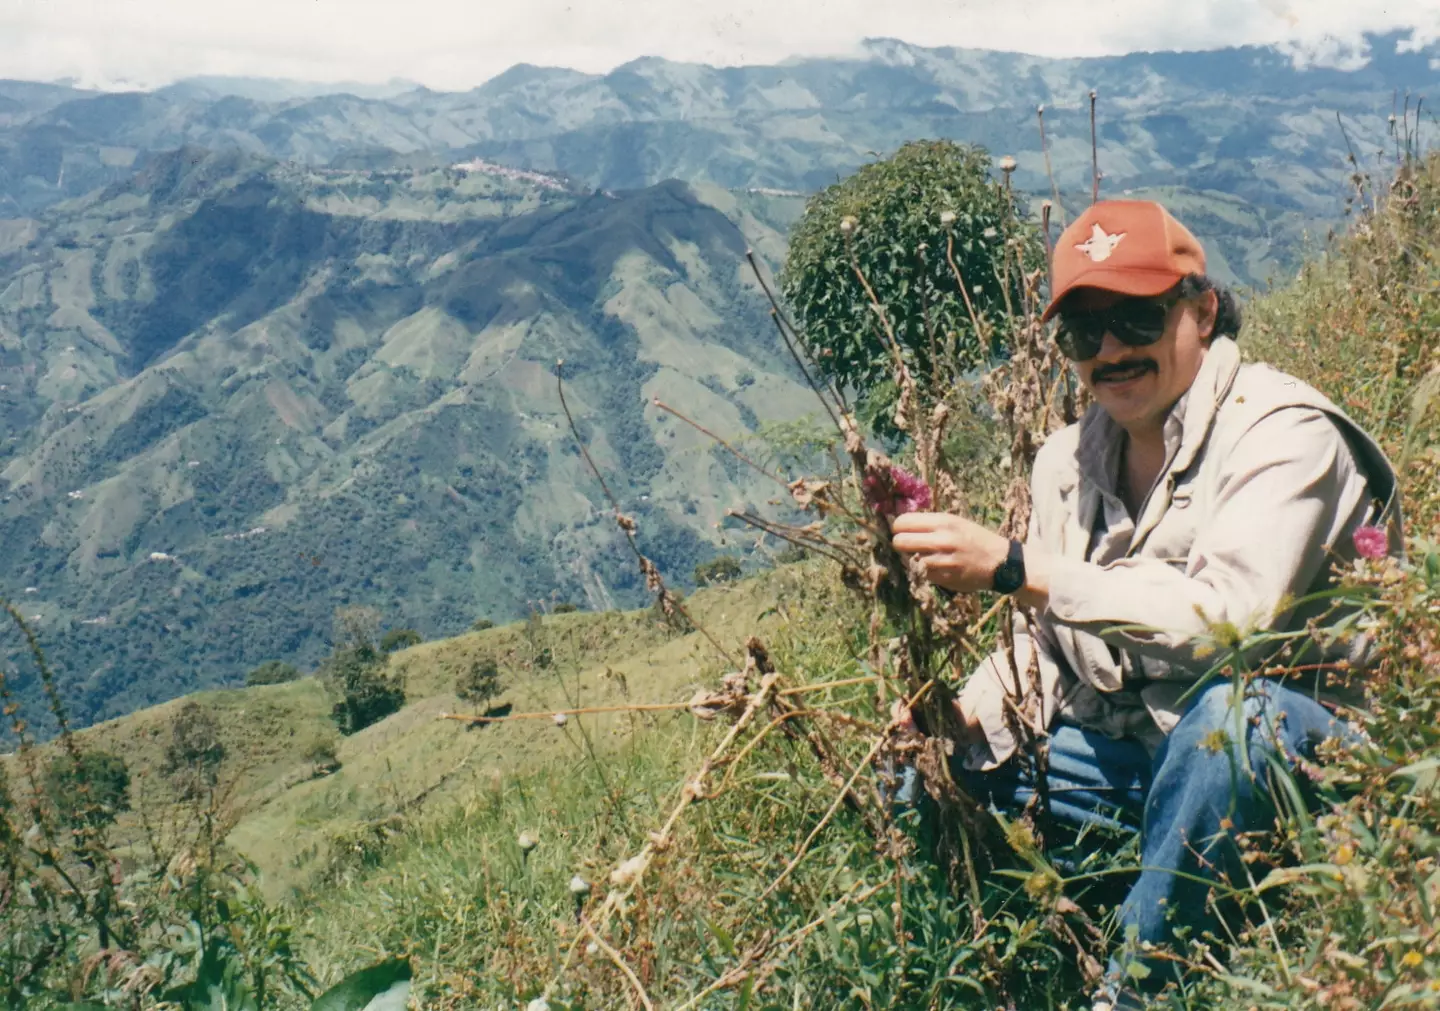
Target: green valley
[241,393]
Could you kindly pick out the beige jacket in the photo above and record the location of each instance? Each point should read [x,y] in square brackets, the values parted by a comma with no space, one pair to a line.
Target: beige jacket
[1265,483]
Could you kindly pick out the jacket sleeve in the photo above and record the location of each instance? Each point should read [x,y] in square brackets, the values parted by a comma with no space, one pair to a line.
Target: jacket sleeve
[992,686]
[1290,493]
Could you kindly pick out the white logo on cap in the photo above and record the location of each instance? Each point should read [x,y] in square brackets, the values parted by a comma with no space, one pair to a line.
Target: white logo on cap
[1099,246]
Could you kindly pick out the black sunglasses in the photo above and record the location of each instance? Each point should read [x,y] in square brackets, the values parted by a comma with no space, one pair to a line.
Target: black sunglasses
[1135,322]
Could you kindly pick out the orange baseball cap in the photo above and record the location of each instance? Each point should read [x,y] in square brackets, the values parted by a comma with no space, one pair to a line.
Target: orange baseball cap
[1134,247]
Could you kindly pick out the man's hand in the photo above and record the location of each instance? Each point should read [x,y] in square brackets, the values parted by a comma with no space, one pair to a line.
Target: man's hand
[971,732]
[953,552]
[962,556]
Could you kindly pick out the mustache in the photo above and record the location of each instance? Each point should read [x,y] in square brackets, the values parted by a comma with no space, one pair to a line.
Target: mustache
[1106,372]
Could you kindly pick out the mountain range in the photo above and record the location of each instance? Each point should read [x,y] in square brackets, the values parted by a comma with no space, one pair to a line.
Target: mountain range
[1240,120]
[267,348]
[240,393]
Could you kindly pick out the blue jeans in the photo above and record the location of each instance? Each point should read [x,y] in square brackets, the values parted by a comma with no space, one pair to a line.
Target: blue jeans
[1189,801]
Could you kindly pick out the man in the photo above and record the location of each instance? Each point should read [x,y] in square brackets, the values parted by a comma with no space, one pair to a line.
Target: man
[1197,493]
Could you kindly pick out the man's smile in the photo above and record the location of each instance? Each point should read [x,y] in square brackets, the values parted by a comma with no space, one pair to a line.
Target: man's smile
[1123,373]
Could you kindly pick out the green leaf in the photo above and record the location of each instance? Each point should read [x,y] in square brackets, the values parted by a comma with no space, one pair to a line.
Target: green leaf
[1242,983]
[219,983]
[384,986]
[1137,970]
[1425,773]
[1432,567]
[722,936]
[747,993]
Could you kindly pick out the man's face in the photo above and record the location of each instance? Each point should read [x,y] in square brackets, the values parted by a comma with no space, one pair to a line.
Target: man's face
[1136,386]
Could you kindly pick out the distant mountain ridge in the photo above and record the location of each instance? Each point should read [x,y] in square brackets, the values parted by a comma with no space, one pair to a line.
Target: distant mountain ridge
[1244,121]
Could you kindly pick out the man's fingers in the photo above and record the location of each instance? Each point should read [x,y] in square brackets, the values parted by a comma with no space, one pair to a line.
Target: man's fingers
[934,561]
[910,544]
[918,522]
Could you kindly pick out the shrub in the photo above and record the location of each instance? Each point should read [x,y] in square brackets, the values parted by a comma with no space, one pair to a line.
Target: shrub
[481,624]
[720,569]
[565,607]
[321,754]
[194,754]
[272,672]
[791,554]
[537,640]
[90,789]
[399,638]
[357,673]
[898,217]
[479,683]
[365,690]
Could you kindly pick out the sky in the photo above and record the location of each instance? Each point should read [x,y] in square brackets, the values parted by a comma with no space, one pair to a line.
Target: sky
[458,44]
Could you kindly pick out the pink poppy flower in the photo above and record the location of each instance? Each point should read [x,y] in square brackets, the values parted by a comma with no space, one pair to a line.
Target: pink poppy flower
[1371,542]
[896,492]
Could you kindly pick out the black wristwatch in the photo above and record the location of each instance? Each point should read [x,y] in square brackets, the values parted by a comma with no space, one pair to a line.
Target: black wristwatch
[1010,574]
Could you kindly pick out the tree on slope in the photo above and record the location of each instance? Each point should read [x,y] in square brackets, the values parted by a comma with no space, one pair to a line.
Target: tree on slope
[897,219]
[357,673]
[90,789]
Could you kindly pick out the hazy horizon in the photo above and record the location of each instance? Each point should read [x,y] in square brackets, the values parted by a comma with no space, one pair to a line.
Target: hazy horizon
[441,44]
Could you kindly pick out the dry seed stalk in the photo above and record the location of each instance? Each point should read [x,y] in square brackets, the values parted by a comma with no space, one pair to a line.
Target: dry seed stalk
[1094,153]
[653,580]
[870,756]
[616,898]
[733,451]
[1049,169]
[644,707]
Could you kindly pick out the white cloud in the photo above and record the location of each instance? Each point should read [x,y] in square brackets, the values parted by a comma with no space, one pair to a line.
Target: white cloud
[459,43]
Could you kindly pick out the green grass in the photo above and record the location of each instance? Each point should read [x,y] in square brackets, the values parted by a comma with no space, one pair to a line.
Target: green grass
[286,818]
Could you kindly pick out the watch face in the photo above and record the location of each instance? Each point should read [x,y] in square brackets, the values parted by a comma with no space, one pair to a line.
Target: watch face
[1010,574]
[1009,577]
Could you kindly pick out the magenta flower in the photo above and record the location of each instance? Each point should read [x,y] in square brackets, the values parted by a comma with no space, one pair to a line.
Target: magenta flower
[1371,542]
[896,491]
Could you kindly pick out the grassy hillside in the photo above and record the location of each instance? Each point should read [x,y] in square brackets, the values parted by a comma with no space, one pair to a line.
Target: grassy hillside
[294,817]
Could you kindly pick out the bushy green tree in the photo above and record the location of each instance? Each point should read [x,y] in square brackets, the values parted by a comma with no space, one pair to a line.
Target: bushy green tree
[897,216]
[479,682]
[538,640]
[399,638]
[90,789]
[720,569]
[272,672]
[357,673]
[195,752]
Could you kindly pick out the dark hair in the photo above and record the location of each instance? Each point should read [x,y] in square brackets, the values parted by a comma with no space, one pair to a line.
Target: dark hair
[1228,317]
